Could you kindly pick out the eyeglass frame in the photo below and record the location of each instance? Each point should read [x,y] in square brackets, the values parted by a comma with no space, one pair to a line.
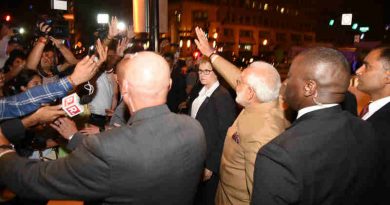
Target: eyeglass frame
[205,72]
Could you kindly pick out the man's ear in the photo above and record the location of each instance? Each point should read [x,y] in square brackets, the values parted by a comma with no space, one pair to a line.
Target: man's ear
[310,88]
[124,87]
[387,78]
[170,84]
[252,94]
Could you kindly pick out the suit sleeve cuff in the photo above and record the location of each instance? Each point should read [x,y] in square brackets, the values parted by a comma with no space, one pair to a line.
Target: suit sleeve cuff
[75,141]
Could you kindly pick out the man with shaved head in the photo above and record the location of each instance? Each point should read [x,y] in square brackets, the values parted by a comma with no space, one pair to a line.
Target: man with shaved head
[261,120]
[157,158]
[327,156]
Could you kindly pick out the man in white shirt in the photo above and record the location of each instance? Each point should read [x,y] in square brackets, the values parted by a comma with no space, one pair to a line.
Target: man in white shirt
[374,79]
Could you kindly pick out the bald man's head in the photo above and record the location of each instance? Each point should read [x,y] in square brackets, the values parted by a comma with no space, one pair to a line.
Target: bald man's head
[317,75]
[328,67]
[144,80]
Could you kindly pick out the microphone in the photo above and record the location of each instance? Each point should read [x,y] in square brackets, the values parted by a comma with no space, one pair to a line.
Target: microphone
[71,105]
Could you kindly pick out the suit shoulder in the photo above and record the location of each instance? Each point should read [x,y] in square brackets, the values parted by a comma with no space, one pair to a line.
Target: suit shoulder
[222,95]
[187,121]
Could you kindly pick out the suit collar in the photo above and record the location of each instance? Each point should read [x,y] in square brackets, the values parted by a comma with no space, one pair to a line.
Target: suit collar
[385,108]
[375,106]
[149,113]
[319,113]
[313,108]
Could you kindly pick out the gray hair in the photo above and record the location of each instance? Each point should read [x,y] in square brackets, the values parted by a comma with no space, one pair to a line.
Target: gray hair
[265,81]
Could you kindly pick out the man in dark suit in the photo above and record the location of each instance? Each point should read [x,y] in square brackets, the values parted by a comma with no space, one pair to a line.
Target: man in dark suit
[374,79]
[156,159]
[327,156]
[214,108]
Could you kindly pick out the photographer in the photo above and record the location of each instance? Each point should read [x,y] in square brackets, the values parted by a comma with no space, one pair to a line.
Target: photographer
[29,101]
[8,42]
[44,59]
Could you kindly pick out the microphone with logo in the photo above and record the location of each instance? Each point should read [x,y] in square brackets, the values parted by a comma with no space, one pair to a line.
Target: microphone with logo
[71,105]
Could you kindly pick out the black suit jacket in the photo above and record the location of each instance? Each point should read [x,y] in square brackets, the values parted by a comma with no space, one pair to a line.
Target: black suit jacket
[381,122]
[216,115]
[158,159]
[328,156]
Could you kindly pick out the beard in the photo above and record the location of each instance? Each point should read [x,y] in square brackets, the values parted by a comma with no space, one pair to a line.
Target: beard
[240,98]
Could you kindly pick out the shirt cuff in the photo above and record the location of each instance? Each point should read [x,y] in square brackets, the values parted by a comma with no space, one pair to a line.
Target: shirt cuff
[65,81]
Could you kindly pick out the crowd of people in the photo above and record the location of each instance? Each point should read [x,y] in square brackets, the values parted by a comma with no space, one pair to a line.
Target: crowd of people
[160,130]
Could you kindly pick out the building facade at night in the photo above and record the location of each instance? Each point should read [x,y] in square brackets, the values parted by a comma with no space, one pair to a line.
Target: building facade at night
[243,27]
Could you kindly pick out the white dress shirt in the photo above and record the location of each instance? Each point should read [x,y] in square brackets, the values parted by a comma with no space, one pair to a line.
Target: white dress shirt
[313,108]
[203,94]
[375,106]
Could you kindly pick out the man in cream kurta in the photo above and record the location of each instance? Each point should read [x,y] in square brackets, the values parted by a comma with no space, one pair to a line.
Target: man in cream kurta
[261,120]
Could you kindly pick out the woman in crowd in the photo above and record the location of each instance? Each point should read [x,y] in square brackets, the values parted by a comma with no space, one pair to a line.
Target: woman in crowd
[215,109]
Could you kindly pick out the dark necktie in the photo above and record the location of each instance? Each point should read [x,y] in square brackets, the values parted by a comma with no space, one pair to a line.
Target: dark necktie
[364,110]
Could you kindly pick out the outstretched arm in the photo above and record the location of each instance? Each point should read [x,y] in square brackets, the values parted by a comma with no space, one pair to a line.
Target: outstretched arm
[227,70]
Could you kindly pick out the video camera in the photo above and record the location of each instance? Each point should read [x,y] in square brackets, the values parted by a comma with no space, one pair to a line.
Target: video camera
[59,27]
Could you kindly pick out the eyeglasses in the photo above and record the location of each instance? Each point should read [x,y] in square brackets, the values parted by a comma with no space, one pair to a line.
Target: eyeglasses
[206,72]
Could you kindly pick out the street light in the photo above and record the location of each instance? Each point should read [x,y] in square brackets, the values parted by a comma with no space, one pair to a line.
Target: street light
[364,29]
[102,18]
[121,26]
[331,22]
[22,31]
[354,26]
[181,43]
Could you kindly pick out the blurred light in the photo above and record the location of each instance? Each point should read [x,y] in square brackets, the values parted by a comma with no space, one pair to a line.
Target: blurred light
[220,49]
[265,7]
[68,17]
[362,36]
[364,29]
[181,43]
[22,31]
[331,22]
[214,44]
[354,26]
[196,54]
[265,42]
[282,10]
[243,59]
[251,60]
[146,45]
[188,43]
[121,26]
[8,18]
[215,35]
[30,7]
[103,18]
[346,19]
